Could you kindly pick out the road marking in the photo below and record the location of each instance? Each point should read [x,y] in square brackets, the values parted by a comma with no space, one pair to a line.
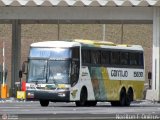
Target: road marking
[10,107]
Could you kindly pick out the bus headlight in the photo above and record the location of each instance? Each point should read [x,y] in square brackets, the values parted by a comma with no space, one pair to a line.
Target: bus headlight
[62,94]
[30,95]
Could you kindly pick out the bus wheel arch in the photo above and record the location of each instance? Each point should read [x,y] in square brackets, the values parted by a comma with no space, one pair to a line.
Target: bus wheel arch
[83,97]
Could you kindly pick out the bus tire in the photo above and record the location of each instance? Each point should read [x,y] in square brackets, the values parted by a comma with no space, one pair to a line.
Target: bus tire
[115,103]
[129,97]
[44,103]
[122,100]
[92,103]
[83,98]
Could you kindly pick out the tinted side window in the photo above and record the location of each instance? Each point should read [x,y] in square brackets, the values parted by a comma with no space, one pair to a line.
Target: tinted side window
[86,56]
[134,58]
[105,57]
[96,57]
[124,58]
[115,58]
[141,63]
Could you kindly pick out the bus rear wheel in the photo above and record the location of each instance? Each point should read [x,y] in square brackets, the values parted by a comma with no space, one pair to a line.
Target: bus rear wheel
[129,97]
[44,103]
[115,103]
[122,101]
[83,98]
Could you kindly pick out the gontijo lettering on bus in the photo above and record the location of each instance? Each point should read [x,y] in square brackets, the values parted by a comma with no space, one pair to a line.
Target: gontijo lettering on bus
[125,74]
[119,73]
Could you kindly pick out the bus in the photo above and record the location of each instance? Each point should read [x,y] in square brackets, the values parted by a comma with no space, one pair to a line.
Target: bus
[84,72]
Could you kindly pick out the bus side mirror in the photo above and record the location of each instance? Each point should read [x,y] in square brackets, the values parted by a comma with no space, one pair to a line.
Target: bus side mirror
[24,68]
[20,74]
[149,75]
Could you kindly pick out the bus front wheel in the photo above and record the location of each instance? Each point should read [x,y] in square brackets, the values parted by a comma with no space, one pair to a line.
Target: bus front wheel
[92,103]
[83,98]
[44,103]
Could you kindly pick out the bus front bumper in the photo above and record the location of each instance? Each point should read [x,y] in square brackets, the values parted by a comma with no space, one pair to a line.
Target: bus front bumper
[51,95]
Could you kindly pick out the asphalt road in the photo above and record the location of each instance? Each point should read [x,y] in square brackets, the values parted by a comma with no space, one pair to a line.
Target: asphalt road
[31,110]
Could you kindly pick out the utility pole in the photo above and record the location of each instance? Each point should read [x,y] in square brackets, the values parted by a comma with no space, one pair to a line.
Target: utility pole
[104,32]
[3,63]
[122,33]
[58,30]
[3,86]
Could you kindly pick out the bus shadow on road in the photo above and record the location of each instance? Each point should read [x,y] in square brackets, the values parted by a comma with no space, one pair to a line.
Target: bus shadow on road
[107,104]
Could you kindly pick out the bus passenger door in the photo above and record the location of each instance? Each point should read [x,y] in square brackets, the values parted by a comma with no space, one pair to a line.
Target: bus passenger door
[75,66]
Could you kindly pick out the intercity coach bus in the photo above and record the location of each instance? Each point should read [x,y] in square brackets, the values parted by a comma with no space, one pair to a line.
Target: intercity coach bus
[84,72]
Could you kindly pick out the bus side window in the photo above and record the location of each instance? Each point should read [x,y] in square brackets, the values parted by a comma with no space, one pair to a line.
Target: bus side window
[141,59]
[105,57]
[134,58]
[124,58]
[115,58]
[95,55]
[86,56]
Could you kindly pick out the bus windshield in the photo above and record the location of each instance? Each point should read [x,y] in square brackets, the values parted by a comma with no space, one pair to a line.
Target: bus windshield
[49,65]
[51,71]
[58,71]
[37,70]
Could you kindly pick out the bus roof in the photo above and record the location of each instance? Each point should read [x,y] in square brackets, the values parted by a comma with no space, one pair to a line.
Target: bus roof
[107,44]
[86,43]
[55,44]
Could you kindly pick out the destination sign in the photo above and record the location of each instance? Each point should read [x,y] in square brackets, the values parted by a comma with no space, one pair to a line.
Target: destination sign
[55,53]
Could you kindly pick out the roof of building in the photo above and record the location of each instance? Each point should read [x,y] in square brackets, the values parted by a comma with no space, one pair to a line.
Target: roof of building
[89,3]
